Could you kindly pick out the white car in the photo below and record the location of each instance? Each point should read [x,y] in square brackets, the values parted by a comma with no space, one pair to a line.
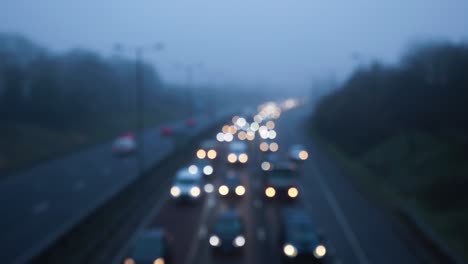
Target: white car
[298,153]
[124,145]
[237,152]
[187,184]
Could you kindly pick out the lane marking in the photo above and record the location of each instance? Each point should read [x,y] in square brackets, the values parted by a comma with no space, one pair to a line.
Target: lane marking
[261,235]
[349,234]
[78,186]
[40,207]
[195,244]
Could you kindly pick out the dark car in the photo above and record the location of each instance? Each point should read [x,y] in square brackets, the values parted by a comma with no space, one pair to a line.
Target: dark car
[150,247]
[231,186]
[227,235]
[281,182]
[300,239]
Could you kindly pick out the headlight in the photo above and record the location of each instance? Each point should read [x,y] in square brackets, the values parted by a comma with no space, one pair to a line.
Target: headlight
[239,241]
[215,241]
[129,261]
[303,155]
[240,190]
[266,166]
[208,170]
[159,261]
[195,191]
[264,147]
[232,158]
[243,158]
[290,251]
[201,154]
[209,188]
[193,169]
[223,190]
[293,192]
[212,154]
[270,192]
[175,191]
[320,251]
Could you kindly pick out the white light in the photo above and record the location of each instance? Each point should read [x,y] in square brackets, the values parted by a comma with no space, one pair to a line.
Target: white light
[159,261]
[208,170]
[195,191]
[320,251]
[175,191]
[239,241]
[293,192]
[241,122]
[254,126]
[266,166]
[209,188]
[212,154]
[228,137]
[258,119]
[193,169]
[290,251]
[272,134]
[223,190]
[232,158]
[240,190]
[220,136]
[243,158]
[214,241]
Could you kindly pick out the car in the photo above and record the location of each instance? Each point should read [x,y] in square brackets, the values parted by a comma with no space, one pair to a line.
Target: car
[237,152]
[207,150]
[151,246]
[227,234]
[187,184]
[300,239]
[281,182]
[124,145]
[231,186]
[270,160]
[204,166]
[297,153]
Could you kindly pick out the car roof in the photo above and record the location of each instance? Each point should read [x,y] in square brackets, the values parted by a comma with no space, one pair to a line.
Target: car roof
[208,144]
[184,174]
[294,216]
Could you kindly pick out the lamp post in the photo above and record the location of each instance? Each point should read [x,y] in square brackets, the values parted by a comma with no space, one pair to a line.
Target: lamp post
[139,82]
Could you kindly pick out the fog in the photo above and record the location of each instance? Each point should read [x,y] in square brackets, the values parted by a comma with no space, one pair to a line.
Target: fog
[281,44]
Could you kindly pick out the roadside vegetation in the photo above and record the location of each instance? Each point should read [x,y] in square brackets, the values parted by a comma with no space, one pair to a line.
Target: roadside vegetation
[403,132]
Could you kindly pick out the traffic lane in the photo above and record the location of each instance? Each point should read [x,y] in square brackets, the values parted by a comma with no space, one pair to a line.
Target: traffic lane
[42,202]
[367,232]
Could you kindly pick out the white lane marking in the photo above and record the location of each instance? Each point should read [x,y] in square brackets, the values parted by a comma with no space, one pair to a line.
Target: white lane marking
[195,244]
[257,203]
[261,234]
[78,186]
[40,207]
[202,232]
[349,234]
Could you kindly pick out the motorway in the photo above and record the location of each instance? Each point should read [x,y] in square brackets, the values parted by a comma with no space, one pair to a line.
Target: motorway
[357,230]
[40,204]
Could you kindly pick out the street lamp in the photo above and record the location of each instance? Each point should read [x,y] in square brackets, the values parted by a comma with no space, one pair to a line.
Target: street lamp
[139,79]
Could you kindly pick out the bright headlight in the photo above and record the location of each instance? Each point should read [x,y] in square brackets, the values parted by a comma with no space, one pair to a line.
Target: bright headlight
[208,170]
[232,158]
[270,192]
[215,241]
[239,241]
[175,191]
[303,155]
[223,190]
[293,192]
[320,251]
[195,191]
[289,250]
[240,190]
[243,158]
[159,261]
[212,154]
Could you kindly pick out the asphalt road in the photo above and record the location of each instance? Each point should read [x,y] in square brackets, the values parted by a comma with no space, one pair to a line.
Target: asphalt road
[41,203]
[356,229]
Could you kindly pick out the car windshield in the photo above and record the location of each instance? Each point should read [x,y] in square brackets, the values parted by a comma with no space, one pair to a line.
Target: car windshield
[228,225]
[148,247]
[186,181]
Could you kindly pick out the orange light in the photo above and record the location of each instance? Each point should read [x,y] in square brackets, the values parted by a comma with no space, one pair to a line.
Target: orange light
[201,154]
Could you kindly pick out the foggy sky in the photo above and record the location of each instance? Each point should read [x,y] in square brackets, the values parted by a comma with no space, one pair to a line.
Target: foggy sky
[284,43]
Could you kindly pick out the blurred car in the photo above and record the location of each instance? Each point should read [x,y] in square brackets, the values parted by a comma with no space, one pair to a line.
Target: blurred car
[281,182]
[187,185]
[270,160]
[300,239]
[124,145]
[167,131]
[190,122]
[237,152]
[205,166]
[231,186]
[207,150]
[150,247]
[227,234]
[297,153]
